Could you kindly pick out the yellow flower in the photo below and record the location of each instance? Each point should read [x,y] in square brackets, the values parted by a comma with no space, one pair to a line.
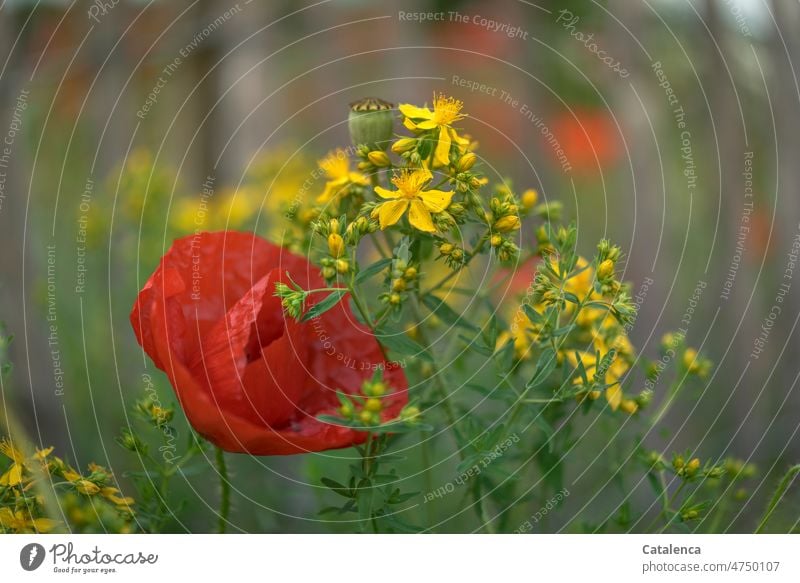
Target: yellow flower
[112,495]
[605,269]
[529,198]
[410,195]
[335,245]
[613,376]
[507,224]
[238,207]
[446,111]
[41,454]
[21,521]
[337,169]
[13,476]
[87,487]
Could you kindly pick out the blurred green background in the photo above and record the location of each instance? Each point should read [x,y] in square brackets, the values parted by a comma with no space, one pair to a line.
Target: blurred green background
[114,115]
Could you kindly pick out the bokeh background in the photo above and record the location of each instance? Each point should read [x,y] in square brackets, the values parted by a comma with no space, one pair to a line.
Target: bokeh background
[113,115]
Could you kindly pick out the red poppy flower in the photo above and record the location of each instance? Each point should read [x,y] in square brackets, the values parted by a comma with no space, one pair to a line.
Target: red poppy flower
[588,138]
[250,379]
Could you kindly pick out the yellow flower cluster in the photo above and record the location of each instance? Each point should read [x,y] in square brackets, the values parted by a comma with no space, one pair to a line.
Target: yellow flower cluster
[22,508]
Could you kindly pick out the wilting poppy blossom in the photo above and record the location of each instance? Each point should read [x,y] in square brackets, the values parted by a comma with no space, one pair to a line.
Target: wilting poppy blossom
[249,378]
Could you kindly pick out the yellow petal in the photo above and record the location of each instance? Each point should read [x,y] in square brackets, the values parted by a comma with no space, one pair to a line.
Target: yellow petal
[332,189]
[357,178]
[386,193]
[420,218]
[443,147]
[71,475]
[7,449]
[614,396]
[43,453]
[415,112]
[409,124]
[391,211]
[7,519]
[436,200]
[588,359]
[44,524]
[336,164]
[428,124]
[12,477]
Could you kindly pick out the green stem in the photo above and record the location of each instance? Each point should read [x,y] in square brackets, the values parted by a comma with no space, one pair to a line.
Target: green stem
[668,508]
[225,491]
[482,511]
[784,484]
[478,248]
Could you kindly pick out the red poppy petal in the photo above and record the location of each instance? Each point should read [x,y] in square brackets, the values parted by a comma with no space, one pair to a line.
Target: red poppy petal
[247,380]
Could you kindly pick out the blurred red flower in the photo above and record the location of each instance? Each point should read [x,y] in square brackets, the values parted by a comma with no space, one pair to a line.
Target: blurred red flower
[589,139]
[250,379]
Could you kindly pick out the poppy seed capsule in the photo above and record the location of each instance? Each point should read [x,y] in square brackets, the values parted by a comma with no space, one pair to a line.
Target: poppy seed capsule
[371,121]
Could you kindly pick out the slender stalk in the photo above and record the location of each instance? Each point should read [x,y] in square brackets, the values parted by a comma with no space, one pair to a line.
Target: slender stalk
[666,512]
[225,491]
[784,484]
[478,248]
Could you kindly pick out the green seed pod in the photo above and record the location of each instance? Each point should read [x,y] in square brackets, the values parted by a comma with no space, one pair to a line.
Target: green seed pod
[371,122]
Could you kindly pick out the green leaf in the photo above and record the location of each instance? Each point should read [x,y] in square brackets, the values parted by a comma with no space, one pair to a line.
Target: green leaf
[449,315]
[336,487]
[473,344]
[373,269]
[655,484]
[401,344]
[563,330]
[320,308]
[532,314]
[546,365]
[547,429]
[581,369]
